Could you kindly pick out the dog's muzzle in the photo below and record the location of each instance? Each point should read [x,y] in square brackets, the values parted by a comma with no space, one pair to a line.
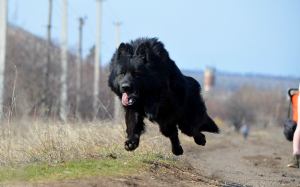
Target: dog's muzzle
[129,99]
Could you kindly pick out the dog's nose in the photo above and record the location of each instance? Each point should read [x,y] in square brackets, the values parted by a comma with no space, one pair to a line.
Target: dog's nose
[125,86]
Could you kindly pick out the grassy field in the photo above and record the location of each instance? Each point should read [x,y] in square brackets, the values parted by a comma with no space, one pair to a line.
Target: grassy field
[39,151]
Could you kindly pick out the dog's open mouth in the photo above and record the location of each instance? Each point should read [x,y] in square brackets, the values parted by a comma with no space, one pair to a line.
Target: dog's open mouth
[129,99]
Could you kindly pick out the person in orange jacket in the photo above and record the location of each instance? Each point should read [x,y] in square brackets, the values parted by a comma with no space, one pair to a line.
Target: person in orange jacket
[296,139]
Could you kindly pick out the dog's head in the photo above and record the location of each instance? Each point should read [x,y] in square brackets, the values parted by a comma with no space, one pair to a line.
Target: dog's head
[128,73]
[137,69]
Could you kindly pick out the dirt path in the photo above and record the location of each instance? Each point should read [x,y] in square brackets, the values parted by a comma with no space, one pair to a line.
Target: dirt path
[258,161]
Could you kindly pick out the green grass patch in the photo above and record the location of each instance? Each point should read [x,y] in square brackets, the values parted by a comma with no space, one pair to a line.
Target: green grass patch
[69,169]
[76,169]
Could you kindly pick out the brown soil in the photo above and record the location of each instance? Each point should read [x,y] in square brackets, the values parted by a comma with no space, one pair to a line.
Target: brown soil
[226,160]
[258,161]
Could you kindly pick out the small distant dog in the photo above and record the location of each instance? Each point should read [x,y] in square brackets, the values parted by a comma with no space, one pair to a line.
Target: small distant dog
[150,85]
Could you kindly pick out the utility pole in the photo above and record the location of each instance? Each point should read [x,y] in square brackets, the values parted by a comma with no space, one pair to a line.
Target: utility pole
[3,25]
[79,64]
[64,67]
[117,103]
[46,67]
[97,64]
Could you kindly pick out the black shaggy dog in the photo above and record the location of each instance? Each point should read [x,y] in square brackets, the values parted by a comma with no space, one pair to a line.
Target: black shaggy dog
[150,85]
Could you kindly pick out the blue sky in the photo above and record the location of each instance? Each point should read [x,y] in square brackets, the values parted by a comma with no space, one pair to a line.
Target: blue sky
[236,36]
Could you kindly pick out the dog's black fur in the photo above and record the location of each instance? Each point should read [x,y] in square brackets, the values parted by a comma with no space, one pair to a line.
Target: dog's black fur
[150,85]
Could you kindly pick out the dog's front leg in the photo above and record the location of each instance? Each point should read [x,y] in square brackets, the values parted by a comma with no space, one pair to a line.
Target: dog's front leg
[135,127]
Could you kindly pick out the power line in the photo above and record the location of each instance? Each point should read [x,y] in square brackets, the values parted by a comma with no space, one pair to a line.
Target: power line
[112,12]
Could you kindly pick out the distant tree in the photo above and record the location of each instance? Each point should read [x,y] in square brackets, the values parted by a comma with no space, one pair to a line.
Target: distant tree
[239,109]
[251,105]
[25,56]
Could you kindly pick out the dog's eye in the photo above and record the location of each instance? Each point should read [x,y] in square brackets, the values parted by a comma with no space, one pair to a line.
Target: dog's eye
[122,74]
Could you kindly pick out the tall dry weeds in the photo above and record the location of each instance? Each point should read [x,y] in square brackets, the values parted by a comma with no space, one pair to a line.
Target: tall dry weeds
[27,141]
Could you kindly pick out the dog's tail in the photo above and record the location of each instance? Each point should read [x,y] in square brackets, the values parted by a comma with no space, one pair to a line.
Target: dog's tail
[210,126]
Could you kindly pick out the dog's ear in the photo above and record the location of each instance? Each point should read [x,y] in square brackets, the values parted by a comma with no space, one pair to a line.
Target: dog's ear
[122,50]
[141,51]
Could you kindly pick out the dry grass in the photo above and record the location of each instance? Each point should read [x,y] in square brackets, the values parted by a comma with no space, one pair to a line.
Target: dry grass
[26,141]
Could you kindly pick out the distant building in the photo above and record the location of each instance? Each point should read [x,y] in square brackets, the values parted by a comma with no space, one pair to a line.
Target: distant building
[209,78]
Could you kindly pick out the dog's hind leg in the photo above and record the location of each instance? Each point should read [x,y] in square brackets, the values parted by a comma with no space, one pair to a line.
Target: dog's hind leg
[200,139]
[176,147]
[135,127]
[171,132]
[190,128]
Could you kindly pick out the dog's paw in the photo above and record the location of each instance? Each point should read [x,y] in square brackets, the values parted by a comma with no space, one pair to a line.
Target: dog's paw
[130,145]
[177,150]
[200,139]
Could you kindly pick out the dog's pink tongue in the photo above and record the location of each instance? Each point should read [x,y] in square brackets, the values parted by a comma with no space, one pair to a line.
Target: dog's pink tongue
[125,99]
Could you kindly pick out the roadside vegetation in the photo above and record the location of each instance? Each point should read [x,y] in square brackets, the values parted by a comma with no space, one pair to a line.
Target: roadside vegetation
[39,151]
